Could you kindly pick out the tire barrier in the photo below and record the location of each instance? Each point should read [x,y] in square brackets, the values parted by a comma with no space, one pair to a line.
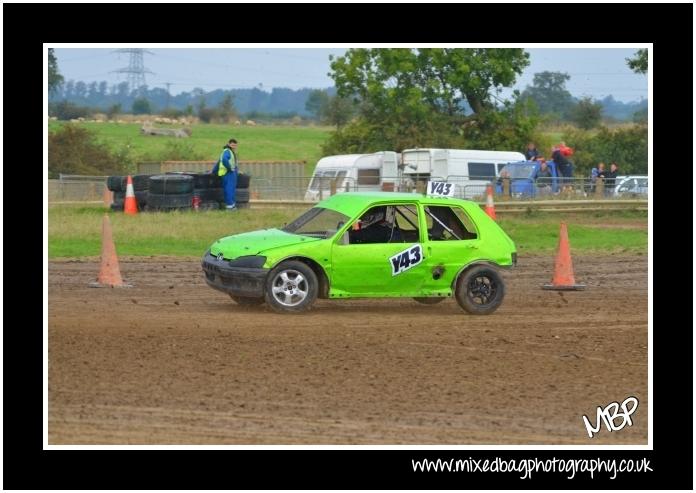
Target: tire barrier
[210,194]
[175,190]
[242,195]
[243,180]
[159,202]
[171,184]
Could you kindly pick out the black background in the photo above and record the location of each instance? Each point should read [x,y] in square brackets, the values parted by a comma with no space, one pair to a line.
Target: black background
[27,26]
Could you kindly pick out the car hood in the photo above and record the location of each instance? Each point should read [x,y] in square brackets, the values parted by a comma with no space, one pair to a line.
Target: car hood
[256,242]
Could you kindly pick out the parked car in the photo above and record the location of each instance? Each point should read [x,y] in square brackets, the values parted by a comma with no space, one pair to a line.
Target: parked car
[524,179]
[631,186]
[368,244]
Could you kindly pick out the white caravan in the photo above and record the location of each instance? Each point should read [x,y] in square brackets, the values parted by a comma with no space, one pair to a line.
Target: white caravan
[469,170]
[354,172]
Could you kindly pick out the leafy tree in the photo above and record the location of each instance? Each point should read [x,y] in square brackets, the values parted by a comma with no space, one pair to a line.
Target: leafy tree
[339,111]
[55,79]
[549,93]
[317,103]
[419,98]
[439,78]
[226,109]
[113,111]
[639,62]
[73,149]
[587,113]
[627,146]
[141,106]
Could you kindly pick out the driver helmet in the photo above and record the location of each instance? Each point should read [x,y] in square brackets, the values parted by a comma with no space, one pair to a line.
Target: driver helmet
[372,217]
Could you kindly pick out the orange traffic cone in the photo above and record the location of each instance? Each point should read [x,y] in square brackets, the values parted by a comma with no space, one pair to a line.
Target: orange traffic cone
[109,273]
[563,277]
[130,206]
[108,196]
[490,207]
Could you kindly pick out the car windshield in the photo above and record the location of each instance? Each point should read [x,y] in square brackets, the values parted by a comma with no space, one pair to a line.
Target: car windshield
[518,170]
[317,222]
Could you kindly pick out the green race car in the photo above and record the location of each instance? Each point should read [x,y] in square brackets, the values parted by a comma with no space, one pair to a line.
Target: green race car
[366,245]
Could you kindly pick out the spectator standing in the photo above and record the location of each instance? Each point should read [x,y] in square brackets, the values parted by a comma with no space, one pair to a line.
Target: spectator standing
[531,154]
[543,177]
[610,177]
[227,168]
[560,154]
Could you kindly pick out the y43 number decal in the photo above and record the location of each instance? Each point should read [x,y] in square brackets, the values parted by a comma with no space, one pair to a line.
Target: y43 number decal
[440,189]
[403,261]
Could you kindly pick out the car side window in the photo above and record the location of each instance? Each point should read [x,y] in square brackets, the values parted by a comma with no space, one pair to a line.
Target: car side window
[386,224]
[448,224]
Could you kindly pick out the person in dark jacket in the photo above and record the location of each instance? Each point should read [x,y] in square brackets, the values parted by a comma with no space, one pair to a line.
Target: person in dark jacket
[610,177]
[563,165]
[531,154]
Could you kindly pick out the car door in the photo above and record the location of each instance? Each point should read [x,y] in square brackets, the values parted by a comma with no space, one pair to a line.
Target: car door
[452,242]
[392,265]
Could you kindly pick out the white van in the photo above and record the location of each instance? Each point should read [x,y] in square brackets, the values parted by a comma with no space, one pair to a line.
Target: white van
[353,172]
[469,170]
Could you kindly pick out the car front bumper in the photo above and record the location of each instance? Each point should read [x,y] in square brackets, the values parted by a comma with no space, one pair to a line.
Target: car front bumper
[238,281]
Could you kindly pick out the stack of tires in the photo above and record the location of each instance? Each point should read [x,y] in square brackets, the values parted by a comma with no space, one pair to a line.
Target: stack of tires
[117,184]
[242,195]
[208,188]
[170,192]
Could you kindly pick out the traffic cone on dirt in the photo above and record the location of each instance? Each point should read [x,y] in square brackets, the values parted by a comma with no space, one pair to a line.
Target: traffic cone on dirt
[130,206]
[109,273]
[563,277]
[490,207]
[108,196]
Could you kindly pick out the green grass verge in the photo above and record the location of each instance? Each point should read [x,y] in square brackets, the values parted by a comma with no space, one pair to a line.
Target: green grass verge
[261,143]
[75,231]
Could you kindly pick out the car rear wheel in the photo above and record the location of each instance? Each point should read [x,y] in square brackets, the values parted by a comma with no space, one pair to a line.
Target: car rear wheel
[292,287]
[429,300]
[480,290]
[247,300]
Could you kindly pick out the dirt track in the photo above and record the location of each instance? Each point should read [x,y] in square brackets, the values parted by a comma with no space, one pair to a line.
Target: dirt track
[171,361]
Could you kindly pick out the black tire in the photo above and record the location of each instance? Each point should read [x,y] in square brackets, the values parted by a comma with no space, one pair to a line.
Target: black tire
[429,300]
[115,183]
[247,300]
[117,206]
[141,198]
[480,290]
[214,181]
[157,201]
[200,180]
[241,195]
[210,194]
[243,180]
[119,196]
[141,183]
[291,287]
[171,184]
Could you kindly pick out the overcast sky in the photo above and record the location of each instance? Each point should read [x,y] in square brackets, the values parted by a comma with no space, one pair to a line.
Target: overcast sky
[595,72]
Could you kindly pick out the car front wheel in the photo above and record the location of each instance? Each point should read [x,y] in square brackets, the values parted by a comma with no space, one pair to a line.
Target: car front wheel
[291,287]
[480,290]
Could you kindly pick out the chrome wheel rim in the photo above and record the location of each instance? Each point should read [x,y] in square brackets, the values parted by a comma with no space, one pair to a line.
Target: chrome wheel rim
[289,287]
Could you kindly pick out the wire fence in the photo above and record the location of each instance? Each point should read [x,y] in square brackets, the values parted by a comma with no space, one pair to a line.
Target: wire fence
[70,188]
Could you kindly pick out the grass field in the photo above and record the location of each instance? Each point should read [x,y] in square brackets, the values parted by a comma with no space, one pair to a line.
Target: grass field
[75,230]
[263,143]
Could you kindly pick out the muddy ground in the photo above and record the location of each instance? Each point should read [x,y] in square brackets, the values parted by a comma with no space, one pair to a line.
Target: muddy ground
[170,361]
